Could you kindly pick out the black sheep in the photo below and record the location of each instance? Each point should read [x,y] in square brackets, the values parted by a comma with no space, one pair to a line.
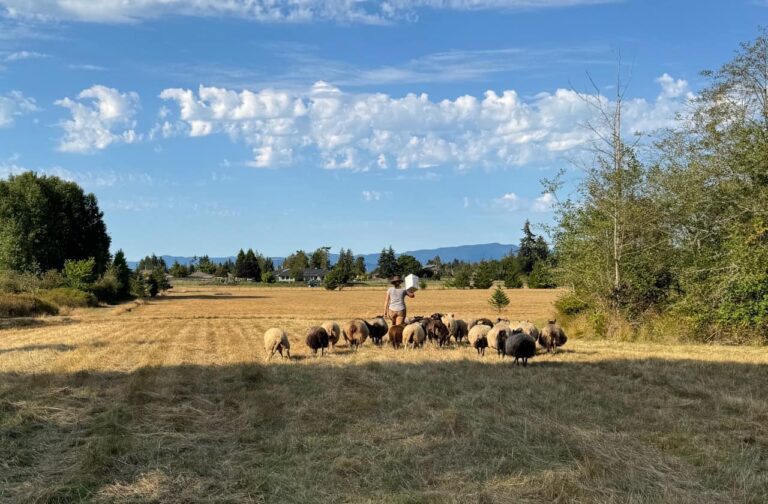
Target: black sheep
[317,339]
[377,329]
[520,346]
[501,340]
[480,345]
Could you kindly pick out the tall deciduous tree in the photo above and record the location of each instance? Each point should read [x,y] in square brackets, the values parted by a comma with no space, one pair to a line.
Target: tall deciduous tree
[44,221]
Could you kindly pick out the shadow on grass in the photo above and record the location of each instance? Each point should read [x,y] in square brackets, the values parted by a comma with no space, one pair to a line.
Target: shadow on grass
[310,430]
[32,322]
[219,297]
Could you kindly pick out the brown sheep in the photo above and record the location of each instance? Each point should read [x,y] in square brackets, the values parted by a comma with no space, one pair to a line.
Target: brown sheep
[396,336]
[437,332]
[317,339]
[355,333]
[552,336]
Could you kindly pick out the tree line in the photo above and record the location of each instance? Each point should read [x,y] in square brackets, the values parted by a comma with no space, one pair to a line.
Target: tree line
[677,228]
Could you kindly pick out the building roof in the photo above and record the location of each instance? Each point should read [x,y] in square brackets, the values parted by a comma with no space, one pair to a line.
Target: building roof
[309,272]
[200,274]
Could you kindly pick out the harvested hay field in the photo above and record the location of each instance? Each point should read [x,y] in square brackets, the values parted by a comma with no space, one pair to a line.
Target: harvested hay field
[172,401]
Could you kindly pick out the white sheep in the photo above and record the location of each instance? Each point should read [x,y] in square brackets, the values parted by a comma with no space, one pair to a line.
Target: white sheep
[478,338]
[333,330]
[276,340]
[414,335]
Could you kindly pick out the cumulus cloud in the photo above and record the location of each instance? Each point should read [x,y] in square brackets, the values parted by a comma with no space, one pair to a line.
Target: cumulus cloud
[544,203]
[365,131]
[101,116]
[13,105]
[510,201]
[382,11]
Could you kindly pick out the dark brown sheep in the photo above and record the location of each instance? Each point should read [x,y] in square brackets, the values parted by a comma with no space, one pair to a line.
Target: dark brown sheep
[484,321]
[552,336]
[317,339]
[437,332]
[501,341]
[396,336]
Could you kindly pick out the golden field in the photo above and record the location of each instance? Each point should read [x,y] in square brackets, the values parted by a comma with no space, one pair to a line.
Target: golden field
[173,401]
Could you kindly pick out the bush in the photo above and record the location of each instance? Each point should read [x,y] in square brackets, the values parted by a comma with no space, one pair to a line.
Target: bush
[52,279]
[25,305]
[541,276]
[69,298]
[571,304]
[107,288]
[79,274]
[268,277]
[513,281]
[422,284]
[14,283]
[333,279]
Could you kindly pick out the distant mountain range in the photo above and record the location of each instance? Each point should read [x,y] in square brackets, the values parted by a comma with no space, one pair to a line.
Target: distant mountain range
[469,253]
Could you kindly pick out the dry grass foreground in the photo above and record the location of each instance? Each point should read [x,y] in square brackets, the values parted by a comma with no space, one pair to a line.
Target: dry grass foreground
[174,402]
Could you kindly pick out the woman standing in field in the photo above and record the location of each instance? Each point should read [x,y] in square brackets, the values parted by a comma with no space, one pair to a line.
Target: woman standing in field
[394,307]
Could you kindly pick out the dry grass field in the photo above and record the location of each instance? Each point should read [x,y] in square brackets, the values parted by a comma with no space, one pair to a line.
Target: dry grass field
[172,401]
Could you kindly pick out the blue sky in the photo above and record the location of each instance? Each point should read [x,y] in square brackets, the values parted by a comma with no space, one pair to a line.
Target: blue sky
[207,126]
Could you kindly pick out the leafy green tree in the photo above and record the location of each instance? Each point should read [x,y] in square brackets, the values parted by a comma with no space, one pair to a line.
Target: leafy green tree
[205,265]
[407,264]
[541,277]
[359,267]
[44,221]
[387,266]
[296,263]
[333,279]
[79,274]
[462,277]
[319,259]
[499,299]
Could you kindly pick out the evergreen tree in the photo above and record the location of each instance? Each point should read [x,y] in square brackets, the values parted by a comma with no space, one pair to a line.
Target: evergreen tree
[462,276]
[241,270]
[252,271]
[152,262]
[387,266]
[499,299]
[541,276]
[359,268]
[122,274]
[178,270]
[528,253]
[484,275]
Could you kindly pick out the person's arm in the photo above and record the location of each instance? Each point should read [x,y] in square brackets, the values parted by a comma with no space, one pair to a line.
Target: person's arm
[386,305]
[410,293]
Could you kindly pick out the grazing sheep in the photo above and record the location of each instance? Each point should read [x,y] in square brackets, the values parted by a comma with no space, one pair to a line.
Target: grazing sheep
[411,320]
[462,330]
[355,333]
[520,346]
[452,325]
[276,340]
[552,336]
[317,339]
[377,329]
[437,332]
[333,330]
[396,336]
[501,342]
[414,335]
[478,338]
[436,316]
[497,336]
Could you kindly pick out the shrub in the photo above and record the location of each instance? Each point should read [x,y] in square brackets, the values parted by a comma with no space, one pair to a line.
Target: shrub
[268,277]
[422,284]
[571,304]
[69,298]
[499,299]
[107,288]
[52,279]
[513,281]
[25,305]
[139,287]
[79,274]
[541,276]
[14,282]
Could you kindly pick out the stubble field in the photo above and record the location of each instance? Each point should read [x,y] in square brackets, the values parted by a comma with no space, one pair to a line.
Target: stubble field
[173,401]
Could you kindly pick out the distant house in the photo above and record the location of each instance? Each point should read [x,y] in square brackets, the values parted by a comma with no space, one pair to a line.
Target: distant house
[309,275]
[199,275]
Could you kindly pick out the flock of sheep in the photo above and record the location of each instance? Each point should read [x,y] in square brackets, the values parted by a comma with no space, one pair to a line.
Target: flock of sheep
[514,339]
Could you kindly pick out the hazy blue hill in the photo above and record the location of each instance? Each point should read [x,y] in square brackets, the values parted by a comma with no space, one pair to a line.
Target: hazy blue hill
[469,253]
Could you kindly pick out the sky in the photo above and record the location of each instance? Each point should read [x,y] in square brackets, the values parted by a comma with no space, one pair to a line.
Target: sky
[207,126]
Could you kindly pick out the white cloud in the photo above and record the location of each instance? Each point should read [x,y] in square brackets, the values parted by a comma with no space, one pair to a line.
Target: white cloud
[371,195]
[375,12]
[544,203]
[101,116]
[510,201]
[23,55]
[88,179]
[13,105]
[364,131]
